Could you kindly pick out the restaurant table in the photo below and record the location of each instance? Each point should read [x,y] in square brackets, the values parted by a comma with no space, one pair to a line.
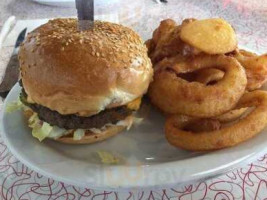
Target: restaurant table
[249,181]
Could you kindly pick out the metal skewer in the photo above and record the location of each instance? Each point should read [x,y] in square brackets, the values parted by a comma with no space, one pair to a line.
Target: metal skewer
[85,9]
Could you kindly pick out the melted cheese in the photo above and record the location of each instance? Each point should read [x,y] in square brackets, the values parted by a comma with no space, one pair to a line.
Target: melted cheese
[135,104]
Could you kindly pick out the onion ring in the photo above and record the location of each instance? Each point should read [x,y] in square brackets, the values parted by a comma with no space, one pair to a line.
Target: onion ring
[175,95]
[209,76]
[166,41]
[231,115]
[241,131]
[162,43]
[212,36]
[200,125]
[255,66]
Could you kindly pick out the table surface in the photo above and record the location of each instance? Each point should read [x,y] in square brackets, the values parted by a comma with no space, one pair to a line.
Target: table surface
[19,182]
[26,9]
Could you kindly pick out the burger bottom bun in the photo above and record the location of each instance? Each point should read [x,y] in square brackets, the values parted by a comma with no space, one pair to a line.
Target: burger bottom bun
[91,137]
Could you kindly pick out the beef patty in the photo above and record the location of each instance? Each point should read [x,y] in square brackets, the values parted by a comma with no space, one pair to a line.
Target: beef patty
[112,115]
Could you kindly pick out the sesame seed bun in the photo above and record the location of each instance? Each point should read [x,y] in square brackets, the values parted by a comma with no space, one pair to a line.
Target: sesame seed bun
[85,72]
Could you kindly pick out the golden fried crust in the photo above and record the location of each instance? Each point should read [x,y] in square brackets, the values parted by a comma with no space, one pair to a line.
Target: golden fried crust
[175,95]
[212,36]
[209,75]
[166,41]
[231,116]
[255,66]
[228,136]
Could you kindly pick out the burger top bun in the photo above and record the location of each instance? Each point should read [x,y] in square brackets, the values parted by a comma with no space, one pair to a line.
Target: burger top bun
[85,72]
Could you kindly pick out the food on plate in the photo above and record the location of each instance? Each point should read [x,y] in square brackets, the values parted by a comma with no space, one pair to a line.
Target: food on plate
[203,82]
[244,129]
[255,66]
[166,41]
[212,36]
[197,125]
[108,158]
[209,76]
[231,115]
[82,87]
[174,95]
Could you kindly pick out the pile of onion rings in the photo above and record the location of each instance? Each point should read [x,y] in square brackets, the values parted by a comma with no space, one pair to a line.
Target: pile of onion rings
[206,90]
[242,130]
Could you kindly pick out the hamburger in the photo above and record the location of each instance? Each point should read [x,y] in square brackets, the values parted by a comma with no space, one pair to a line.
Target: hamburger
[81,87]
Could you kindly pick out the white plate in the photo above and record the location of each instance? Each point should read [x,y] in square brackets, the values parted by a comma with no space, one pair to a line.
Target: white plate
[61,3]
[147,160]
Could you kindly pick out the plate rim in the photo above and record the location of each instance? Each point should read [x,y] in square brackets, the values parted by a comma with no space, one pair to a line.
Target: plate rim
[130,185]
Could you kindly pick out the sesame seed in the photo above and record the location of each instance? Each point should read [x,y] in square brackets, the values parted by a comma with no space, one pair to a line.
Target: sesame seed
[65,32]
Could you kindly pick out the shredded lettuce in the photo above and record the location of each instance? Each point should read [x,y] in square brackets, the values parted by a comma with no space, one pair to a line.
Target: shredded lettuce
[33,120]
[138,120]
[95,130]
[57,132]
[13,106]
[127,122]
[107,158]
[41,131]
[78,134]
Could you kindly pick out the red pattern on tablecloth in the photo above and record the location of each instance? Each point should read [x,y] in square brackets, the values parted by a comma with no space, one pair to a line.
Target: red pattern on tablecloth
[247,183]
[19,182]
